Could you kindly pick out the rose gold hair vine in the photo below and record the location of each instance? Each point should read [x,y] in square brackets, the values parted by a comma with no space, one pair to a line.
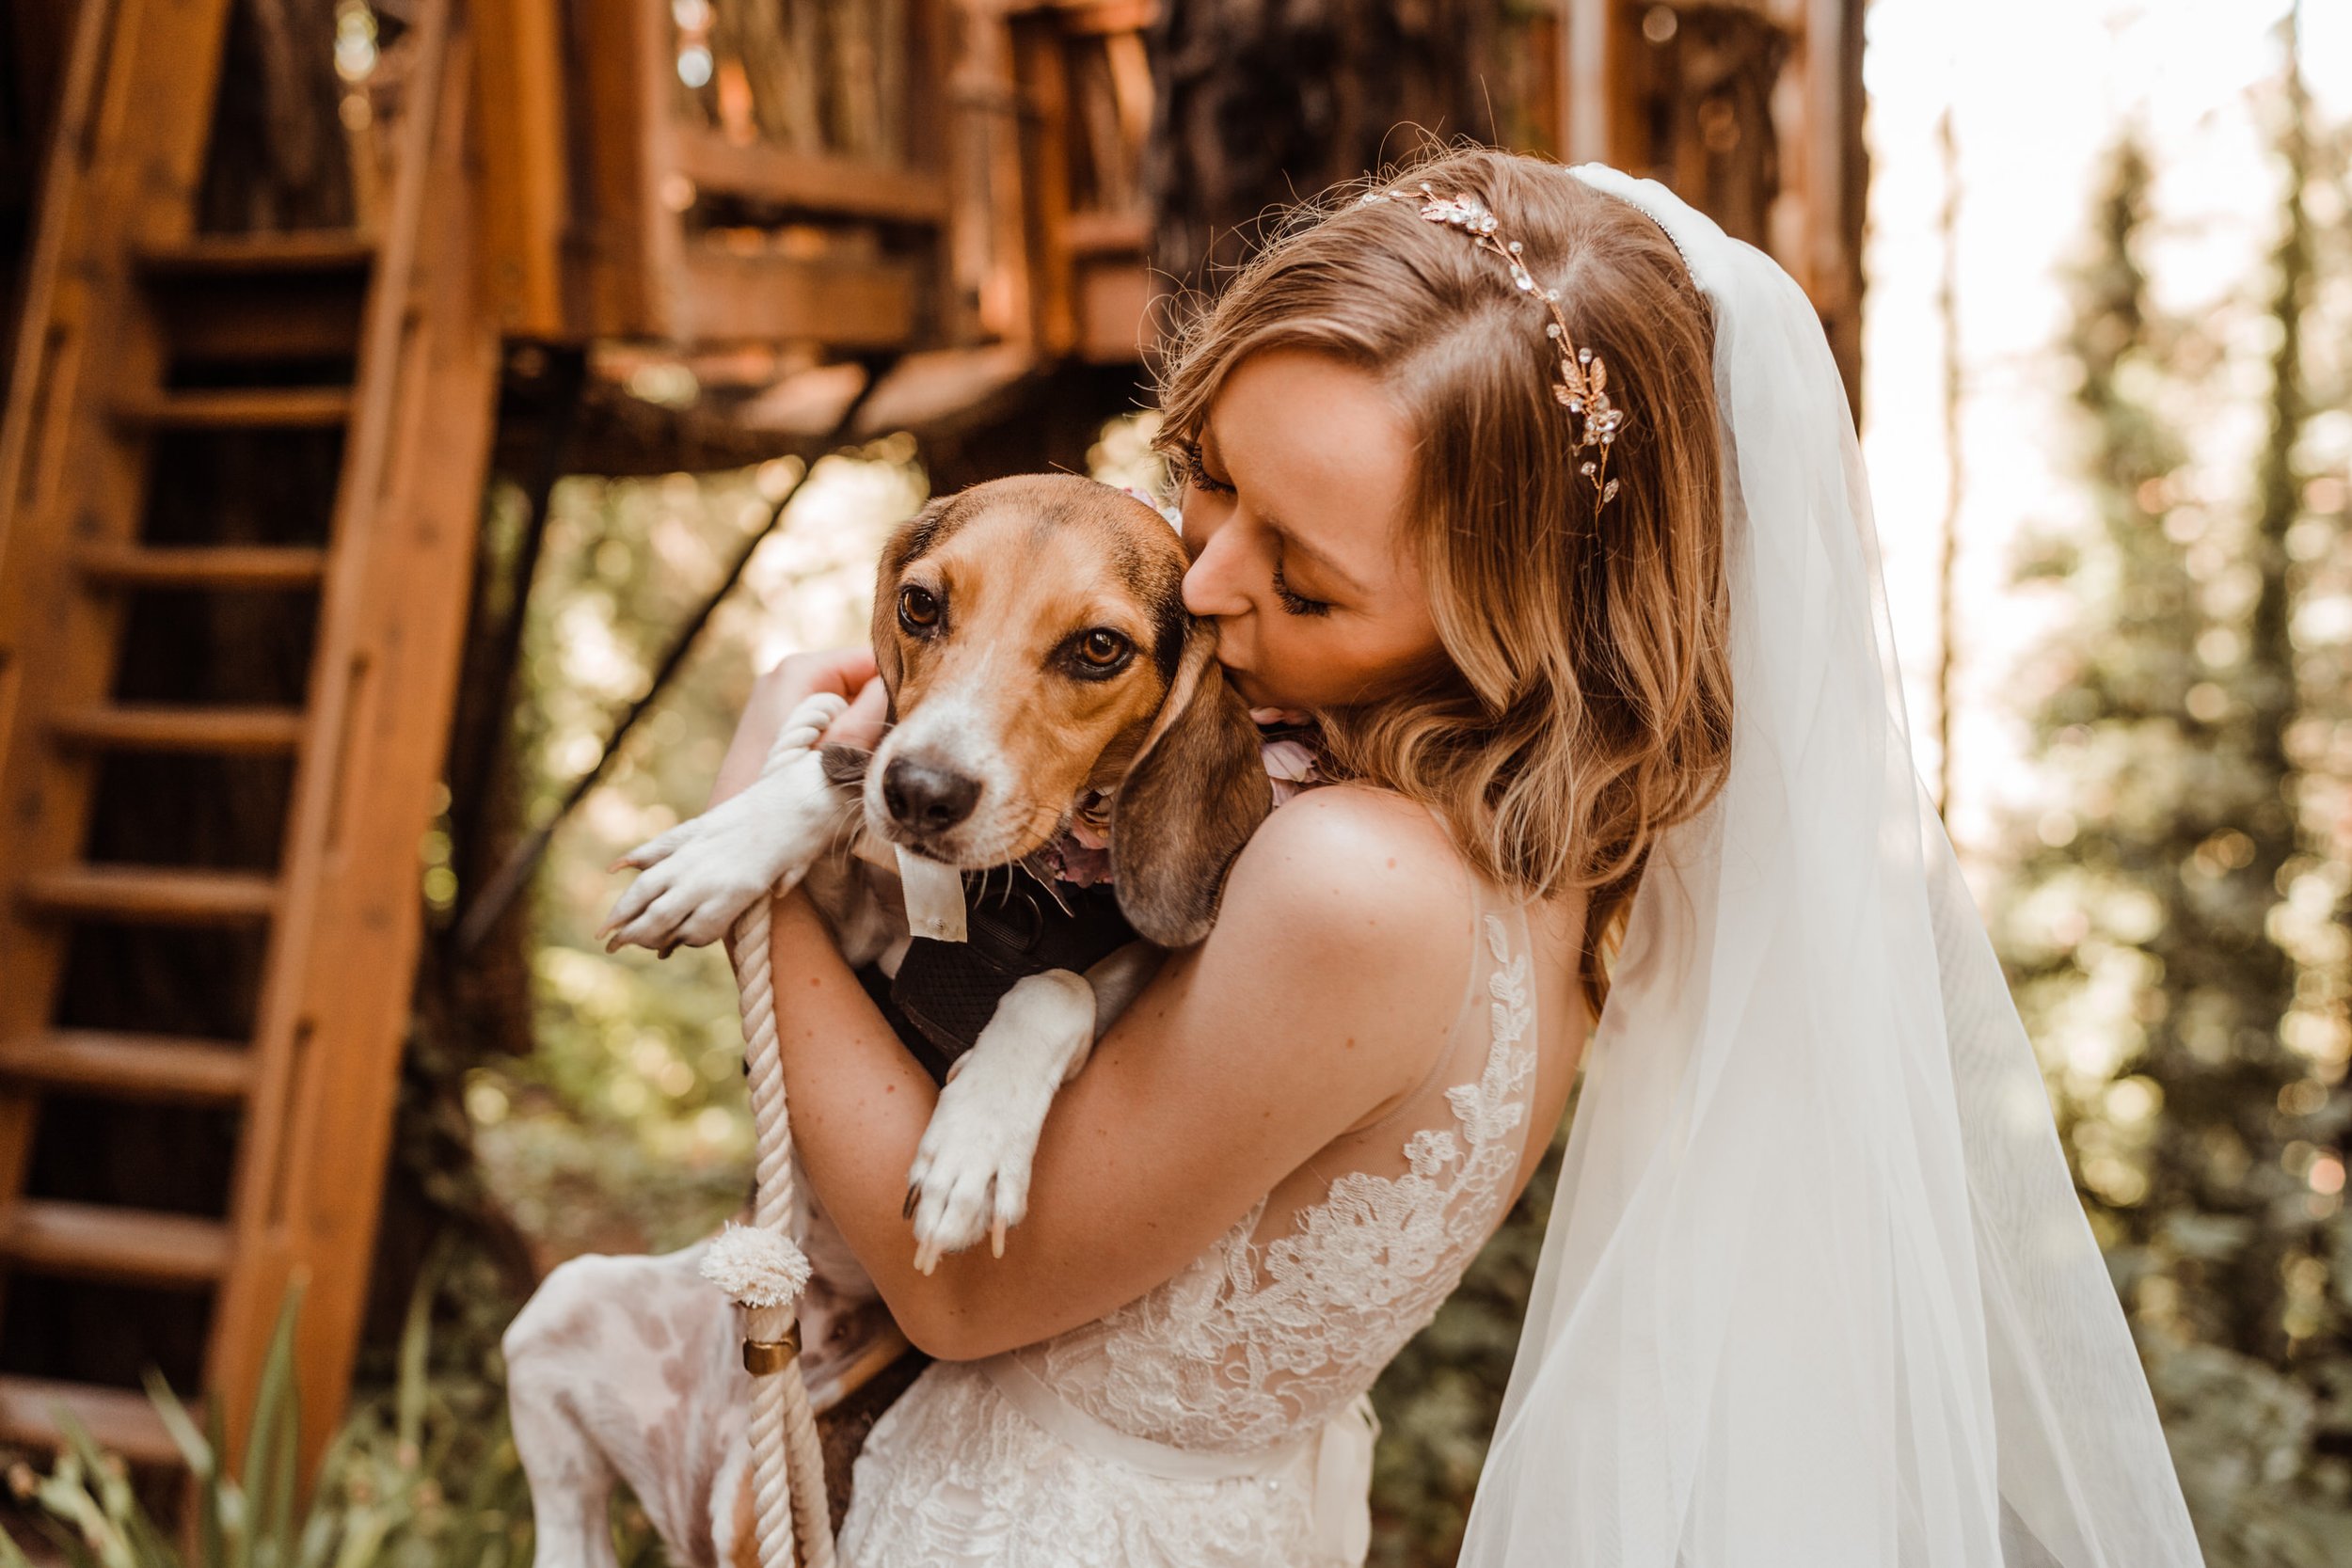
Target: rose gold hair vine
[1582,388]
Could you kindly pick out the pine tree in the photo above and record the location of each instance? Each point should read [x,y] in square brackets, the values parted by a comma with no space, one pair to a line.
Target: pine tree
[2148,925]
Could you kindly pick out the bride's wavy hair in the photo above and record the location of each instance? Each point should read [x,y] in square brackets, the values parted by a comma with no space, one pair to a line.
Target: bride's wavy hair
[1588,704]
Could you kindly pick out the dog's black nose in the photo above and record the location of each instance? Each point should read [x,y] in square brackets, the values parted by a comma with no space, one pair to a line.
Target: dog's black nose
[925,797]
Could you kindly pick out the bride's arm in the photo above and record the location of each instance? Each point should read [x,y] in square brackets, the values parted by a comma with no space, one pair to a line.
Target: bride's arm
[1325,989]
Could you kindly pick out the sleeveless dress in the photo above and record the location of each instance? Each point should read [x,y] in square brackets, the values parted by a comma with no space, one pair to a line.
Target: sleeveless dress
[1221,1418]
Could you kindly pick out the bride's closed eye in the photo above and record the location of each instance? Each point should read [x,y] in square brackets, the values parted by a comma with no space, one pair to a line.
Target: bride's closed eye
[1196,473]
[1296,604]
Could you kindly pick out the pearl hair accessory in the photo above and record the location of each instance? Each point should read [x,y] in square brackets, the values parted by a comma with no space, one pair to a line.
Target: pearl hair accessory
[1582,388]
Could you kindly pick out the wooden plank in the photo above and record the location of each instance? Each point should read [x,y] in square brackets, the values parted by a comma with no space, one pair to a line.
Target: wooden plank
[312,250]
[156,727]
[161,895]
[90,1240]
[1091,234]
[218,567]
[842,305]
[842,187]
[242,408]
[171,1068]
[118,1420]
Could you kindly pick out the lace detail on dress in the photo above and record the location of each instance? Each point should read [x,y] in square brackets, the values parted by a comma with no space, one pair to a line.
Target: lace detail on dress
[1255,1341]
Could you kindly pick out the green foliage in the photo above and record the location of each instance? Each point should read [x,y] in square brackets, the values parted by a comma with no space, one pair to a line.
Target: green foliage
[2174,921]
[627,1129]
[423,1475]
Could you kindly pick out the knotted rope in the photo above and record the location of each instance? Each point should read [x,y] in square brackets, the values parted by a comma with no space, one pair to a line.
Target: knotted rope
[759,1264]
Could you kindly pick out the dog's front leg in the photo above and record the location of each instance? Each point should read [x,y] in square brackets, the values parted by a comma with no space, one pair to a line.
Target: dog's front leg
[970,1170]
[697,877]
[1117,980]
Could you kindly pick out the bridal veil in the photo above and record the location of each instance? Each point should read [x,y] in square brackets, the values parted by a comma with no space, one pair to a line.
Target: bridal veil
[1816,1291]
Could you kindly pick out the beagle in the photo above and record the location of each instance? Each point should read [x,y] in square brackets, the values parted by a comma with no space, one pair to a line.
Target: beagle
[1045,682]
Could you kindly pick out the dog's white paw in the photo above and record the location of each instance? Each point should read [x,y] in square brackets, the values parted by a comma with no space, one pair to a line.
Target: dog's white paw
[971,1171]
[695,879]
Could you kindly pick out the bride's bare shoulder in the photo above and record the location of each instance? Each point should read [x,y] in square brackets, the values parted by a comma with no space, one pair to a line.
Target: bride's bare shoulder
[1354,890]
[1351,846]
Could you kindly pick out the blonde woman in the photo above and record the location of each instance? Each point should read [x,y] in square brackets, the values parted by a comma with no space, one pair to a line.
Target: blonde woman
[1539,493]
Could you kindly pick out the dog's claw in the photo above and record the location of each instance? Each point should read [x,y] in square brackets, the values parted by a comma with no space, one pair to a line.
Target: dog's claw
[914,1191]
[996,1234]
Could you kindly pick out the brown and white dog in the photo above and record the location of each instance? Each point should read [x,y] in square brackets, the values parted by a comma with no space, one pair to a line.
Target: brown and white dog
[1032,637]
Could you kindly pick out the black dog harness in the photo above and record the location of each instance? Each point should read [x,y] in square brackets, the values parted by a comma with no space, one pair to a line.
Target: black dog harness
[946,992]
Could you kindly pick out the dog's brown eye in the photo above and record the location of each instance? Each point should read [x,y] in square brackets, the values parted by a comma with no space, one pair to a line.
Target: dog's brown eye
[1102,649]
[918,609]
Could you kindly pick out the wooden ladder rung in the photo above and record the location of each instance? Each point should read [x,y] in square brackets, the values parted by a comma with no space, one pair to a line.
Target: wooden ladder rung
[155,727]
[176,1069]
[169,895]
[118,1420]
[230,255]
[245,408]
[93,1240]
[203,565]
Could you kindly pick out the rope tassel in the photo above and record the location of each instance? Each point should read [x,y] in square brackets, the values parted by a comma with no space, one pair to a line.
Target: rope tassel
[759,1265]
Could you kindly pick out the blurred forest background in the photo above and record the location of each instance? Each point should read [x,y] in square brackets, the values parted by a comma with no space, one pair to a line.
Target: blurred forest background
[2164,848]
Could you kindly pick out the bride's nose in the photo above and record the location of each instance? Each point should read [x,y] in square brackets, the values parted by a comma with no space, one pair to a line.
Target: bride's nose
[1216,584]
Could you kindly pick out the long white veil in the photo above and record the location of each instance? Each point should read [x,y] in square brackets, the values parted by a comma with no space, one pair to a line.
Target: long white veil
[1817,1291]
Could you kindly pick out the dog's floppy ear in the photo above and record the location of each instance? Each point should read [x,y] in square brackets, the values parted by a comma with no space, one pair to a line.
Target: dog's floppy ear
[910,539]
[1194,794]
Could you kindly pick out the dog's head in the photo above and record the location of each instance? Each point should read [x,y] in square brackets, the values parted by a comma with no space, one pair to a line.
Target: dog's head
[1033,638]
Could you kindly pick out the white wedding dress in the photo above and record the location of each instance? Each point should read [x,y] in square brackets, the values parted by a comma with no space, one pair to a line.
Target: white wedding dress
[1221,1419]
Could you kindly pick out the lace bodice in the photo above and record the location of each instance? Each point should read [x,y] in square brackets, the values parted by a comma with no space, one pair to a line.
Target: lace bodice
[1296,1310]
[1261,1345]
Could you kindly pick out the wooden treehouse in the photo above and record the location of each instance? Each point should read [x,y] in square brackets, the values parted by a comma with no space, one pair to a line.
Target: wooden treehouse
[274,296]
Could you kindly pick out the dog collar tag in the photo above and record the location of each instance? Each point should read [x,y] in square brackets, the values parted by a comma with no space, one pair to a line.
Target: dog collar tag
[935,894]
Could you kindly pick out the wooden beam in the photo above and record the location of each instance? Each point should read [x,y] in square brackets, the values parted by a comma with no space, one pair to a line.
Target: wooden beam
[172,895]
[168,1067]
[182,727]
[242,408]
[628,231]
[846,305]
[520,104]
[1042,71]
[92,1241]
[118,565]
[841,187]
[242,255]
[117,1420]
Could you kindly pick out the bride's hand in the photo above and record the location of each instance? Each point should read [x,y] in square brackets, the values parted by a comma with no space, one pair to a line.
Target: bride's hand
[859,727]
[848,672]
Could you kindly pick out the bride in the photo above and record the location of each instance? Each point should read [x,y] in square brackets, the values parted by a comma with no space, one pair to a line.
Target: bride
[1541,495]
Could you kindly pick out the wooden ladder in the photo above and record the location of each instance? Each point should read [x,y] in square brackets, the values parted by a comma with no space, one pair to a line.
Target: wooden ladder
[148,349]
